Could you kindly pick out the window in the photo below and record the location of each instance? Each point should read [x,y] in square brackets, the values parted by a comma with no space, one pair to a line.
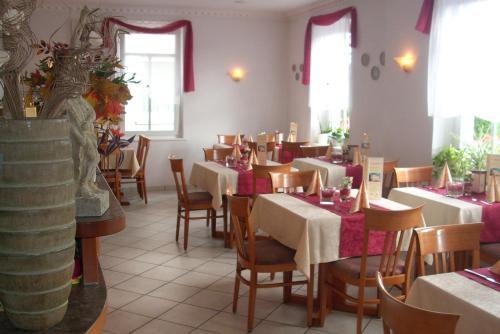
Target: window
[462,75]
[155,106]
[330,84]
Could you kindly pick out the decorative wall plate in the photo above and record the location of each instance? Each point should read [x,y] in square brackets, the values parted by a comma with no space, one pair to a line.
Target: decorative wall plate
[365,59]
[297,76]
[375,73]
[301,67]
[382,58]
[294,68]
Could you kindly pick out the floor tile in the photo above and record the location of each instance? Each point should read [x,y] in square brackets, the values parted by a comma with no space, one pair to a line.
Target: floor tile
[118,298]
[148,244]
[121,322]
[163,327]
[216,268]
[210,299]
[113,277]
[295,315]
[133,267]
[126,252]
[226,285]
[374,327]
[269,327]
[204,252]
[108,262]
[140,285]
[164,273]
[175,292]
[155,257]
[188,315]
[184,262]
[172,248]
[263,308]
[198,280]
[227,323]
[149,306]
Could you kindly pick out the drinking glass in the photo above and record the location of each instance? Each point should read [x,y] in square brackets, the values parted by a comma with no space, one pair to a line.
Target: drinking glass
[455,188]
[327,195]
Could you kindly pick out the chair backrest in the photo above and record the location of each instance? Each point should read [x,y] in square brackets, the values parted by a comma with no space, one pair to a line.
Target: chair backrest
[398,226]
[142,151]
[177,167]
[453,247]
[289,182]
[270,146]
[262,172]
[389,180]
[403,318]
[244,233]
[215,154]
[413,176]
[226,139]
[293,147]
[314,151]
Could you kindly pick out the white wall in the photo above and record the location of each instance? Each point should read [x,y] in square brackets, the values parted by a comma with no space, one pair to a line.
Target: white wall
[391,110]
[219,105]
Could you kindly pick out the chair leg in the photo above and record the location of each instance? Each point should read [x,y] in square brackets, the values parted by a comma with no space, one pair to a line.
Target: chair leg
[179,210]
[139,188]
[361,302]
[236,288]
[214,215]
[208,217]
[272,275]
[287,290]
[310,295]
[186,229]
[251,300]
[144,191]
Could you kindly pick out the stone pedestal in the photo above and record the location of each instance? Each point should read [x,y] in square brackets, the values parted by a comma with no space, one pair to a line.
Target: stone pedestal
[94,206]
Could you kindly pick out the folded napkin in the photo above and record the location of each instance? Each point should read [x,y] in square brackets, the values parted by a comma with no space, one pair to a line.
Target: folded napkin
[253,159]
[444,177]
[357,159]
[329,151]
[237,139]
[496,268]
[493,191]
[291,138]
[315,185]
[236,153]
[361,200]
[250,139]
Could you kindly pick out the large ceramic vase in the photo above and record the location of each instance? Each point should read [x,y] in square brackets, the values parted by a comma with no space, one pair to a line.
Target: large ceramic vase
[37,221]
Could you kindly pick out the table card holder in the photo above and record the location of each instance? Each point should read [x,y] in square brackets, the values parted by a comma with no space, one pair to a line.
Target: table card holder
[252,160]
[30,112]
[373,173]
[493,191]
[250,139]
[492,167]
[292,134]
[444,177]
[262,149]
[362,200]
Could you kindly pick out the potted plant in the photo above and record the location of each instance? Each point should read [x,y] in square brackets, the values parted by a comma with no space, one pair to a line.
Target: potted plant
[325,128]
[459,161]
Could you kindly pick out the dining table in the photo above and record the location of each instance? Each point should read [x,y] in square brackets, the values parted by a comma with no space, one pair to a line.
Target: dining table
[461,293]
[331,172]
[129,161]
[319,233]
[440,209]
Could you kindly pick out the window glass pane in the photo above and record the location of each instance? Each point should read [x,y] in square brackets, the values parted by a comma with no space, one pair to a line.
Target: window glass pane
[162,93]
[150,43]
[136,111]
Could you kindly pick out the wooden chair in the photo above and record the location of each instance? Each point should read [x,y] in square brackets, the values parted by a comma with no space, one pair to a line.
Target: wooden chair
[402,318]
[313,151]
[111,172]
[388,176]
[413,176]
[270,137]
[194,201]
[262,172]
[293,148]
[360,271]
[270,146]
[289,182]
[453,247]
[140,177]
[214,154]
[227,139]
[260,256]
[490,252]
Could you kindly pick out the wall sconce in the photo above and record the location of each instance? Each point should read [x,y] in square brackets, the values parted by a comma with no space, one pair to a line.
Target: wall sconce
[406,62]
[237,74]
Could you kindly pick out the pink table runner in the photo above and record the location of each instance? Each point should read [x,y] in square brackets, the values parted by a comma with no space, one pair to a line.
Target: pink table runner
[356,172]
[490,214]
[485,272]
[245,181]
[351,228]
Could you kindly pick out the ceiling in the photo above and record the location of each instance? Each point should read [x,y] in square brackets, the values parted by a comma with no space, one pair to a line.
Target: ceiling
[260,5]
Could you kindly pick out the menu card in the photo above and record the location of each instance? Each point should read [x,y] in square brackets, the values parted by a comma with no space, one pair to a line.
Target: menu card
[373,174]
[292,134]
[492,167]
[262,149]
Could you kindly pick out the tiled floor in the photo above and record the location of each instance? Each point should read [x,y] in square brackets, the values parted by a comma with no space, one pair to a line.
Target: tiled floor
[156,287]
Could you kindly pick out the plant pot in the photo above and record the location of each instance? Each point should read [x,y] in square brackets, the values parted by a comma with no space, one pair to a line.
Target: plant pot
[37,221]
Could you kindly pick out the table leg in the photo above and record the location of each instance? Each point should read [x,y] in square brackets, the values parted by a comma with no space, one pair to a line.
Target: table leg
[90,262]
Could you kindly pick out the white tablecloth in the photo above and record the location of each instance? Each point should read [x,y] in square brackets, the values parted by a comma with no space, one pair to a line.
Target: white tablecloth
[477,305]
[438,209]
[312,231]
[331,174]
[129,161]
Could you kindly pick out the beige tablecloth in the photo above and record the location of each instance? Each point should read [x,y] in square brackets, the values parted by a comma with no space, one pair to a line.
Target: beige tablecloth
[477,305]
[331,174]
[312,231]
[438,209]
[129,161]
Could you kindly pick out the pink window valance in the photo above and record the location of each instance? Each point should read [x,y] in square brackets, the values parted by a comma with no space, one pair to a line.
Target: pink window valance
[326,20]
[425,18]
[188,70]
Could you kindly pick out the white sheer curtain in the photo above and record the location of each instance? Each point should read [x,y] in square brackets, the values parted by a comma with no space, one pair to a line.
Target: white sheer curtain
[464,53]
[330,84]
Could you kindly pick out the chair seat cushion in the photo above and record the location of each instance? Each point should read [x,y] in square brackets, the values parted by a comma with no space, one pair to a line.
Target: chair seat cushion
[352,266]
[268,252]
[201,197]
[491,249]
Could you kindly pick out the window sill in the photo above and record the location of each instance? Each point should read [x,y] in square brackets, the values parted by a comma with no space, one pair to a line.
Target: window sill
[156,137]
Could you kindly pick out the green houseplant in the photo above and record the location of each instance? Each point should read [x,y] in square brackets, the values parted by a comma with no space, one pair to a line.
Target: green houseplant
[459,161]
